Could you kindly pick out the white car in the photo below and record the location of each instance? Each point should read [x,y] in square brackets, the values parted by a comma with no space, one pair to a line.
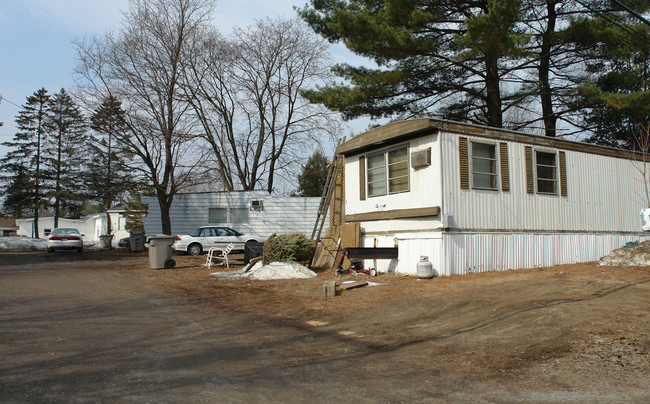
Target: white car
[65,239]
[206,237]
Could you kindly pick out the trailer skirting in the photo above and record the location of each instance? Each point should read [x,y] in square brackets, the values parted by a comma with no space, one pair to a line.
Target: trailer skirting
[456,253]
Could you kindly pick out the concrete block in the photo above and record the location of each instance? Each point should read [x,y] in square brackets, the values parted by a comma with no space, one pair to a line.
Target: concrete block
[329,288]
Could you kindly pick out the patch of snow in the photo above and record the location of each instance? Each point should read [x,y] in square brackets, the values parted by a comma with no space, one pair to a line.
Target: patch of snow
[282,270]
[634,255]
[20,243]
[274,270]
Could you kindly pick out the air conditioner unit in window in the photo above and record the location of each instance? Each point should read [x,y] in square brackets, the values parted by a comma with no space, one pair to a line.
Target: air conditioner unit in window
[257,204]
[421,158]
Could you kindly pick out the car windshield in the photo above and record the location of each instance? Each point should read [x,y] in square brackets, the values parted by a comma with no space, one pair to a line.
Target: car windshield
[59,232]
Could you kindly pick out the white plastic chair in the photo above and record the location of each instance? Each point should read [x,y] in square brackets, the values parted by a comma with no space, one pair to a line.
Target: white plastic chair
[216,253]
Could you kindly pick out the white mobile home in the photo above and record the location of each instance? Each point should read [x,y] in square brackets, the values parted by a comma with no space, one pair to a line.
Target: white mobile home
[475,199]
[246,211]
[91,226]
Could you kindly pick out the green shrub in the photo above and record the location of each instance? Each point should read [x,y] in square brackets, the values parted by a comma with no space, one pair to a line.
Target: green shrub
[288,247]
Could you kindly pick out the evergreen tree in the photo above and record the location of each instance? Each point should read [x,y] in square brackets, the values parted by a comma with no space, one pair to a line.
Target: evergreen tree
[66,156]
[135,211]
[18,193]
[454,54]
[109,177]
[614,92]
[311,181]
[22,166]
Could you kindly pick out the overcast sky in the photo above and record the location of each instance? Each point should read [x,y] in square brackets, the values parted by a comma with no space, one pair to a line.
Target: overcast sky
[36,47]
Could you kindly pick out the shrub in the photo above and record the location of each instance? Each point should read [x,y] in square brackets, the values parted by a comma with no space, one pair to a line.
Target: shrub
[288,247]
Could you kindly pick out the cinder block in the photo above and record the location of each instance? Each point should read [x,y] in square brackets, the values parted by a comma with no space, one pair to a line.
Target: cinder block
[329,288]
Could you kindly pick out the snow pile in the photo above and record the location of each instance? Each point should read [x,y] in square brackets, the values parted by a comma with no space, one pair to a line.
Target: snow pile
[22,244]
[281,270]
[274,270]
[634,255]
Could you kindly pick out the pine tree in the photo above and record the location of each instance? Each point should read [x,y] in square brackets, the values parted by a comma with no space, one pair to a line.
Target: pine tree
[18,193]
[66,156]
[135,211]
[614,92]
[22,166]
[312,179]
[109,177]
[453,55]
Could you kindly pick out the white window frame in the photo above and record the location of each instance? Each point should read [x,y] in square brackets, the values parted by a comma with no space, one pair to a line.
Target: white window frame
[495,174]
[386,171]
[556,170]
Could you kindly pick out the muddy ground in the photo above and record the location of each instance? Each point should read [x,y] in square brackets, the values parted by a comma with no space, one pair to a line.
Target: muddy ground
[572,333]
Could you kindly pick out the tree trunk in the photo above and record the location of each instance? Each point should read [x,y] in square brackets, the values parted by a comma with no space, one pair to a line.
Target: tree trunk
[165,201]
[109,226]
[546,96]
[493,98]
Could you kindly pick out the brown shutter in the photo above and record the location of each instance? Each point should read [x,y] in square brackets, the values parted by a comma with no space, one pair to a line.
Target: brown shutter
[362,178]
[505,170]
[464,162]
[530,179]
[563,186]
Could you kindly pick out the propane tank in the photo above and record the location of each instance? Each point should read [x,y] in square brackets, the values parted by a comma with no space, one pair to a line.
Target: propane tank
[424,269]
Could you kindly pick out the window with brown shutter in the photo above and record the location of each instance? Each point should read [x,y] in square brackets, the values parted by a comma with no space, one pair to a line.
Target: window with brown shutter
[362,178]
[530,179]
[505,168]
[463,157]
[563,185]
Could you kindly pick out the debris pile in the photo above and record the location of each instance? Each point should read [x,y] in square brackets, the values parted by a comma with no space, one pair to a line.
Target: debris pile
[635,254]
[273,270]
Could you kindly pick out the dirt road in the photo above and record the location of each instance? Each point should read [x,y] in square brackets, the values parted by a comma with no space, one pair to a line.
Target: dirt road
[102,327]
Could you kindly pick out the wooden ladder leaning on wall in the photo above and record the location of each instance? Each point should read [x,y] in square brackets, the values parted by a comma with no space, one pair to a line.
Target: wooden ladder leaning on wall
[335,168]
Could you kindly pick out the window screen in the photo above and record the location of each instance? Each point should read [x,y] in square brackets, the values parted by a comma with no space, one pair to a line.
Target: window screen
[546,165]
[217,215]
[484,166]
[239,215]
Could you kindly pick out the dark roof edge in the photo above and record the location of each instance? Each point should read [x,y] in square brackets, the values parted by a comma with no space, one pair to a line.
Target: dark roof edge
[400,131]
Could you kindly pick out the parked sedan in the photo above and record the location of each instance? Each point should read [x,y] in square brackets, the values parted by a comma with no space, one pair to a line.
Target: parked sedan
[65,239]
[206,237]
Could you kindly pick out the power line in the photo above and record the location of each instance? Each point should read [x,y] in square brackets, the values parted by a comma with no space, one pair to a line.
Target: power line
[9,101]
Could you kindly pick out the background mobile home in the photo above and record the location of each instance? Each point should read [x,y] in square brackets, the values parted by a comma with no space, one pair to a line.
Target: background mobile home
[246,211]
[474,198]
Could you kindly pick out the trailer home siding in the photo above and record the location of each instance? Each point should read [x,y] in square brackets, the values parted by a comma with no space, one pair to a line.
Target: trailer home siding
[246,211]
[481,199]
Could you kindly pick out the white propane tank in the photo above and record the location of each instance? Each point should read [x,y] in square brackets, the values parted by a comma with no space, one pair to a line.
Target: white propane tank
[645,219]
[424,269]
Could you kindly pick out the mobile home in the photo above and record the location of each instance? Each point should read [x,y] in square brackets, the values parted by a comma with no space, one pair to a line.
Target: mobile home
[246,211]
[474,199]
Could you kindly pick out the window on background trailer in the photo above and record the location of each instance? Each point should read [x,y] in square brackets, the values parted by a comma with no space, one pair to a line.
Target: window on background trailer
[546,165]
[239,215]
[217,215]
[388,172]
[484,166]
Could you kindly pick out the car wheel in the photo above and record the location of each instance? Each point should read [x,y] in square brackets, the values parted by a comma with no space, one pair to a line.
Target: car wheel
[50,250]
[194,249]
[80,249]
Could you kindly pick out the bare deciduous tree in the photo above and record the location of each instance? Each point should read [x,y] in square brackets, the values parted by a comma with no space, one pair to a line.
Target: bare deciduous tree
[246,92]
[142,66]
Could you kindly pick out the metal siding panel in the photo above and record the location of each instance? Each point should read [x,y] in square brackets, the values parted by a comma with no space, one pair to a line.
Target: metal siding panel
[604,194]
[480,252]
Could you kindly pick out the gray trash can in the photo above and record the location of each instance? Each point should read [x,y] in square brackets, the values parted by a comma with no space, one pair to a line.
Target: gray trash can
[136,240]
[160,251]
[106,241]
